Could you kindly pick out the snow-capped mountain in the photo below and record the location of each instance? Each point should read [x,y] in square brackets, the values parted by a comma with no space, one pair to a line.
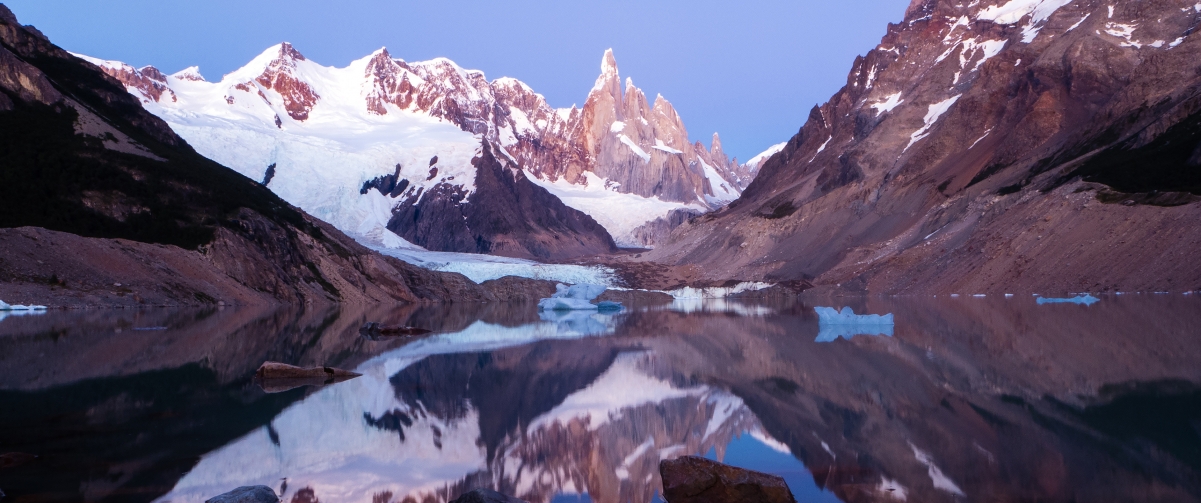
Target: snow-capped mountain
[982,146]
[387,149]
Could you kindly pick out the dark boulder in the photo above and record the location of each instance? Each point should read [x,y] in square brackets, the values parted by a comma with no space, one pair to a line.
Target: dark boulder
[276,370]
[376,331]
[247,494]
[692,479]
[486,496]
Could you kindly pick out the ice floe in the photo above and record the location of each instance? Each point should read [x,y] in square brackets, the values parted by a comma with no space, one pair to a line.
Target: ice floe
[19,307]
[846,324]
[1086,300]
[577,297]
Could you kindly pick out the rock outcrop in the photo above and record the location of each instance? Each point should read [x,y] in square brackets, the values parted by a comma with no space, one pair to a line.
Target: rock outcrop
[102,203]
[693,479]
[247,494]
[1003,145]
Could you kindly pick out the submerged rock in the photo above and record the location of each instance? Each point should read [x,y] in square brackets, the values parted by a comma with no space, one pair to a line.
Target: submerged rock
[275,377]
[486,496]
[692,479]
[247,494]
[376,331]
[276,370]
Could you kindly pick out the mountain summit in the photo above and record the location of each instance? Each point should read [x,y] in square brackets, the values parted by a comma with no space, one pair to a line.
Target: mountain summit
[321,137]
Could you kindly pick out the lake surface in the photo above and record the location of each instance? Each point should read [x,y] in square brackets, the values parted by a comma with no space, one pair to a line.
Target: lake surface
[968,399]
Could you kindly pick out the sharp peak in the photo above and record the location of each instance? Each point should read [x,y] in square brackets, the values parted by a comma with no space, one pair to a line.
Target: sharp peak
[608,62]
[286,50]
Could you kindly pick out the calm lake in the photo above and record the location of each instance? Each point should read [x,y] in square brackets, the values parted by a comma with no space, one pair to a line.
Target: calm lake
[968,399]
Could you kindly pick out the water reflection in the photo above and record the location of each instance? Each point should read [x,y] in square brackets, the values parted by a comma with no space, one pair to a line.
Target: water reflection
[976,398]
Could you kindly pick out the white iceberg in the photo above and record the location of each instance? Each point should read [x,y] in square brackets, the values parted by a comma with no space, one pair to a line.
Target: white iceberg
[18,307]
[846,324]
[577,298]
[1085,300]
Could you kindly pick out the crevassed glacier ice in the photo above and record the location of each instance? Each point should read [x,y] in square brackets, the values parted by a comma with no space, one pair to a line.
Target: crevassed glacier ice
[1085,300]
[577,297]
[846,324]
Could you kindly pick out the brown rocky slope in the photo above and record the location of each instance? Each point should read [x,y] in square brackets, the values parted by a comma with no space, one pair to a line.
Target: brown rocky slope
[1025,146]
[101,203]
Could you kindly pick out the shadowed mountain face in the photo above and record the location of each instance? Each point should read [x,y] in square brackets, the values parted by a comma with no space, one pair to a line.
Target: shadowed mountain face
[980,399]
[507,215]
[1001,145]
[81,160]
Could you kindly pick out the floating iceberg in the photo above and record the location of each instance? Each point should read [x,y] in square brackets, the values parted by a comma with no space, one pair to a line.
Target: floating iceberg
[18,307]
[846,324]
[1085,299]
[577,298]
[831,316]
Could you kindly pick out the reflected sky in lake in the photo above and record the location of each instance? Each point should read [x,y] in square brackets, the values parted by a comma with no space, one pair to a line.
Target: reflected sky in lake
[964,398]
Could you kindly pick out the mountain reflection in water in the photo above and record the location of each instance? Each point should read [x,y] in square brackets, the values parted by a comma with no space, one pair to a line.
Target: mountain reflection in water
[976,398]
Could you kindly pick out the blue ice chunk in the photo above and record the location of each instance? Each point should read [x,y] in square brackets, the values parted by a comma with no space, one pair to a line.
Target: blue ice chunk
[576,297]
[1085,299]
[831,316]
[608,306]
[846,324]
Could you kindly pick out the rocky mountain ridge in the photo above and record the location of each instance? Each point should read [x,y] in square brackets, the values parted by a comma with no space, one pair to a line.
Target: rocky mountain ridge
[618,159]
[1005,145]
[101,203]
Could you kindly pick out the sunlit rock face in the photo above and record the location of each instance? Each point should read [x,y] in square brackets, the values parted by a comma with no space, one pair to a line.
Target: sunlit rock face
[984,146]
[329,131]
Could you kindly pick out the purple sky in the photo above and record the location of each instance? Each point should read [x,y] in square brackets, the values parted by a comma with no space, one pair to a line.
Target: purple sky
[748,70]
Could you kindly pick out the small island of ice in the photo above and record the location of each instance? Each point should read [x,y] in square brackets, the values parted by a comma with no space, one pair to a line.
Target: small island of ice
[18,307]
[1084,300]
[577,298]
[846,324]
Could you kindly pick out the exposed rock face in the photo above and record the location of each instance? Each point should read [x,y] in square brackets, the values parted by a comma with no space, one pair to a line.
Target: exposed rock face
[113,208]
[617,143]
[486,496]
[693,479]
[980,148]
[247,494]
[505,215]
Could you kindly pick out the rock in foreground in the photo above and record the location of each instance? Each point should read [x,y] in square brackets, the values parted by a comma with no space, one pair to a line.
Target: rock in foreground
[376,331]
[692,479]
[486,496]
[276,370]
[247,494]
